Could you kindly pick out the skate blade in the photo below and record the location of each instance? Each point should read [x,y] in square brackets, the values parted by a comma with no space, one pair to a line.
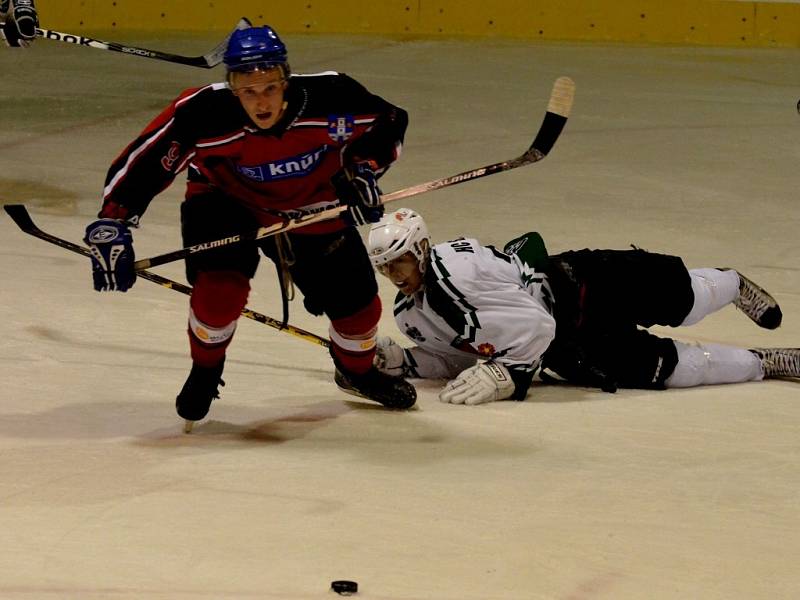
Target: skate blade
[352,392]
[188,426]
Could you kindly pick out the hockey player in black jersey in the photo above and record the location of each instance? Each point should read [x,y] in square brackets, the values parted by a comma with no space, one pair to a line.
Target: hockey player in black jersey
[487,320]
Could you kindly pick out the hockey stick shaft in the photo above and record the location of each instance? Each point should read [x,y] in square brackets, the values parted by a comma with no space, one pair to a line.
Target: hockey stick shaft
[207,61]
[555,118]
[22,218]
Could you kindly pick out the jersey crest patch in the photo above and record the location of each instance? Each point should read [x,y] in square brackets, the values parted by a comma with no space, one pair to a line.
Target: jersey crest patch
[340,127]
[486,349]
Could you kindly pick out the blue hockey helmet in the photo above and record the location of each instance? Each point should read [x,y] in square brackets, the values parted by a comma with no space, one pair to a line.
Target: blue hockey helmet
[255,48]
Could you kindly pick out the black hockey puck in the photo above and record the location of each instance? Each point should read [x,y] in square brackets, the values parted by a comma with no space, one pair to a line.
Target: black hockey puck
[344,588]
[798,106]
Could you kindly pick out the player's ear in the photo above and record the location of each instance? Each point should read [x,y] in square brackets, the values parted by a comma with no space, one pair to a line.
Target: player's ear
[229,80]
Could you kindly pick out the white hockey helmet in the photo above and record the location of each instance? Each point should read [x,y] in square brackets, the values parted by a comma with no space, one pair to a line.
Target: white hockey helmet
[395,234]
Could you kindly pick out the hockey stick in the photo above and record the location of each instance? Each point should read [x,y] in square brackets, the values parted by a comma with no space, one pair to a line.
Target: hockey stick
[23,219]
[207,61]
[555,118]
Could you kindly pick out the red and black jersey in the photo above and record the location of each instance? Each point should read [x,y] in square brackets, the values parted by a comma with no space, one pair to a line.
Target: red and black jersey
[330,120]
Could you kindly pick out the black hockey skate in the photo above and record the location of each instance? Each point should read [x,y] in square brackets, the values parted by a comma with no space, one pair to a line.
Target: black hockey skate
[758,304]
[779,362]
[200,389]
[393,392]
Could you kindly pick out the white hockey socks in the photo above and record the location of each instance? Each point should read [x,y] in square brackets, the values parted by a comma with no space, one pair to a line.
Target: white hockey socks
[712,289]
[712,364]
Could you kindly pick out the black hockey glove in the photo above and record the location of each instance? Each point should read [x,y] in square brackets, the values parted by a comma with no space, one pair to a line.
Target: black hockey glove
[19,29]
[571,361]
[111,244]
[357,188]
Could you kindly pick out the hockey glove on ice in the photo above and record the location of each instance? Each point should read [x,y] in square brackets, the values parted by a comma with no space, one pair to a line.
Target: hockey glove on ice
[20,24]
[111,244]
[485,382]
[390,358]
[357,188]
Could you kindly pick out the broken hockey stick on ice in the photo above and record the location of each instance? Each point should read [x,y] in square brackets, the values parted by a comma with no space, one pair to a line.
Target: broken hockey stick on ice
[23,219]
[558,110]
[207,61]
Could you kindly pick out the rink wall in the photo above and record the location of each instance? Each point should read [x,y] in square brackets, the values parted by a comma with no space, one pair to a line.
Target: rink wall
[700,22]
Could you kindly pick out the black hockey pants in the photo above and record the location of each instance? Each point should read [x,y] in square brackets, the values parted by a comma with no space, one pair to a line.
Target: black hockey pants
[604,300]
[332,270]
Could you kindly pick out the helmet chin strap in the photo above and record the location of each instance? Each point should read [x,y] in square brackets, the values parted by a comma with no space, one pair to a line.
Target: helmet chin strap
[425,248]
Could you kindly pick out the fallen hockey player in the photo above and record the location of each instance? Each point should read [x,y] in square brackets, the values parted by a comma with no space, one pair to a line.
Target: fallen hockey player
[487,320]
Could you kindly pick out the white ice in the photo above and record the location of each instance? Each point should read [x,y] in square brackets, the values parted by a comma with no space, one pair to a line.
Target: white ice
[572,495]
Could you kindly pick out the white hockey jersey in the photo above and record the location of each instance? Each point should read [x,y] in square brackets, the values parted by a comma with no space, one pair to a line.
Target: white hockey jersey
[477,302]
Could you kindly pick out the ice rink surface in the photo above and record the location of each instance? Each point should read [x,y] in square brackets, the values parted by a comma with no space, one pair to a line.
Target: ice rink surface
[572,495]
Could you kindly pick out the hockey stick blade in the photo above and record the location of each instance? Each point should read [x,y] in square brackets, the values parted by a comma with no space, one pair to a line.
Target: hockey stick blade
[558,109]
[216,55]
[20,215]
[207,61]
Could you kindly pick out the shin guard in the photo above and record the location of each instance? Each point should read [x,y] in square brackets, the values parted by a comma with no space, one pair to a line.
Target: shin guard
[353,338]
[713,289]
[713,364]
[216,303]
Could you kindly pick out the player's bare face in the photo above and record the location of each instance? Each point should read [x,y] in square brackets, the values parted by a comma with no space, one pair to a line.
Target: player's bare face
[404,273]
[261,94]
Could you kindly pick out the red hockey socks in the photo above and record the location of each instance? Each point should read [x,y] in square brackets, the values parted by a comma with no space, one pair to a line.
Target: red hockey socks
[353,338]
[215,305]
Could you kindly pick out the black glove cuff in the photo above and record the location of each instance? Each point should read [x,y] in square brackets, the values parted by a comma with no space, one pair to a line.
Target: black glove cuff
[522,381]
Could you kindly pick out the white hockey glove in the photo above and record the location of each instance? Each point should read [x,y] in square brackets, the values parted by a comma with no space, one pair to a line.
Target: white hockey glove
[485,382]
[389,357]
